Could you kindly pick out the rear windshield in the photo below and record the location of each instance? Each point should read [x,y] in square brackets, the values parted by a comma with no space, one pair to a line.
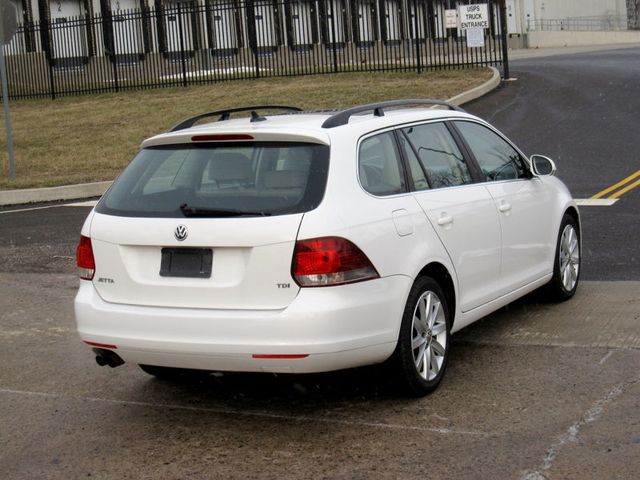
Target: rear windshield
[247,179]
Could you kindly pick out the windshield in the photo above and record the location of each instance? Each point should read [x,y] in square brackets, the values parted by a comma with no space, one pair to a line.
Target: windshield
[246,179]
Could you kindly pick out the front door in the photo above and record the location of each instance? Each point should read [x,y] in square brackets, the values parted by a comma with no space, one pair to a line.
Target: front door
[522,203]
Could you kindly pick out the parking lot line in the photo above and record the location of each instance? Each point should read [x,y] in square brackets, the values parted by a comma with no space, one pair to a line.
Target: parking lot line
[621,183]
[595,202]
[248,413]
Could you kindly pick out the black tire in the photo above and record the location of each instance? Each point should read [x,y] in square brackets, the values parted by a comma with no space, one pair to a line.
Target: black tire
[561,287]
[166,373]
[407,370]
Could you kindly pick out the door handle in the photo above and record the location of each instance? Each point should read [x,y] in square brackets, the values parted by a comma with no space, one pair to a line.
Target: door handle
[445,219]
[504,207]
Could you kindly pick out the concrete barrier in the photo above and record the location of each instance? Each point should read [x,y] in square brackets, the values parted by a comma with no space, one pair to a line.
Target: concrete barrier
[577,39]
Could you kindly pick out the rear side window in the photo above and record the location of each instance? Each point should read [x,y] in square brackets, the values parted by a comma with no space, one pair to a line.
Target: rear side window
[262,178]
[379,166]
[497,159]
[439,155]
[417,172]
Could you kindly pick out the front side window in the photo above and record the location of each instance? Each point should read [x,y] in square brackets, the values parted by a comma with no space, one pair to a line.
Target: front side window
[439,155]
[379,167]
[261,178]
[497,159]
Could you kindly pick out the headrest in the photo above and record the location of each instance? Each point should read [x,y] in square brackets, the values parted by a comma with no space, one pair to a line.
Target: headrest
[229,167]
[285,179]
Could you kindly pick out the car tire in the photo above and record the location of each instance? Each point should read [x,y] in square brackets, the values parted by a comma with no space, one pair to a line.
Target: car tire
[566,264]
[165,373]
[421,355]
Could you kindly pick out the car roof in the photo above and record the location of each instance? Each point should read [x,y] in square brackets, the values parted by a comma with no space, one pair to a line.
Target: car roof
[302,127]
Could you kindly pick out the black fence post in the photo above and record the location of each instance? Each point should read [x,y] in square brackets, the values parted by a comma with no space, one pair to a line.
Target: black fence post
[182,52]
[48,49]
[110,47]
[334,43]
[503,38]
[416,36]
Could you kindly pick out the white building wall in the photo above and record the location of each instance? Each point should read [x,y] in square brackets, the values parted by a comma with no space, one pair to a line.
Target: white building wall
[522,14]
[557,9]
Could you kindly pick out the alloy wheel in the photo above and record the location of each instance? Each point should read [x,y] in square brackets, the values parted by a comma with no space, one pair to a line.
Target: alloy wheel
[429,335]
[569,258]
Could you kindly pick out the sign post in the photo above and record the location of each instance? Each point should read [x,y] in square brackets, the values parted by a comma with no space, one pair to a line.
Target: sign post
[503,35]
[8,26]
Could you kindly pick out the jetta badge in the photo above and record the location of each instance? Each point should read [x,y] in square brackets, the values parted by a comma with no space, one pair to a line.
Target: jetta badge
[181,232]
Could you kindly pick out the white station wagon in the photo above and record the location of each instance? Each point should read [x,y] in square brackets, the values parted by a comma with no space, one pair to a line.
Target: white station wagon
[309,242]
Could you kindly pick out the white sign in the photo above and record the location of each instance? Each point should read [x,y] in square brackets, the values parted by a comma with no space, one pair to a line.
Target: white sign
[474,16]
[451,18]
[475,37]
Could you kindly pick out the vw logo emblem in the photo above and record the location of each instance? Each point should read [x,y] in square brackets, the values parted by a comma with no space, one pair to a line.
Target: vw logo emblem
[181,232]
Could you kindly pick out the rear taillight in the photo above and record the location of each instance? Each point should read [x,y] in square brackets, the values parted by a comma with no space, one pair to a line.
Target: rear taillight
[84,258]
[326,261]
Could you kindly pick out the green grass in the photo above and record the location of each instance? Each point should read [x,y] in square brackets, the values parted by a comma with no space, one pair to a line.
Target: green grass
[88,139]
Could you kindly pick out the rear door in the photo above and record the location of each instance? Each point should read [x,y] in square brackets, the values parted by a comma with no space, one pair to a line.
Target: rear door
[207,226]
[460,211]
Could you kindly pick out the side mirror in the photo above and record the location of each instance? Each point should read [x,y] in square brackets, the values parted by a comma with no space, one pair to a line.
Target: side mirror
[542,165]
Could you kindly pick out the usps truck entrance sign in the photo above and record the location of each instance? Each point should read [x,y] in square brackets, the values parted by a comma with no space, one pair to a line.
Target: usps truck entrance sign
[473,20]
[474,16]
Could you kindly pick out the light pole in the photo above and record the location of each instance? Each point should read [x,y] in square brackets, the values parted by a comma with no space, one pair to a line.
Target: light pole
[7,30]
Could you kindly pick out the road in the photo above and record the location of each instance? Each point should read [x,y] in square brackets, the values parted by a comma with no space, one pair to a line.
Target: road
[583,111]
[534,391]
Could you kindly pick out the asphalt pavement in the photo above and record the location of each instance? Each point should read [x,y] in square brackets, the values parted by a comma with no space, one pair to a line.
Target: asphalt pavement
[534,391]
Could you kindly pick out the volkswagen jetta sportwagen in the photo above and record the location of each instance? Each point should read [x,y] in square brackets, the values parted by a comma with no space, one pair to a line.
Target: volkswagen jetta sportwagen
[307,242]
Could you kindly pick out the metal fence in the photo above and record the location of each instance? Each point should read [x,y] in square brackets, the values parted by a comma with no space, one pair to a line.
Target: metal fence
[174,44]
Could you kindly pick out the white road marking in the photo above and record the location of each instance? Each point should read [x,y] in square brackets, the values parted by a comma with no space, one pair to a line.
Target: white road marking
[245,413]
[90,203]
[605,358]
[29,209]
[595,202]
[571,434]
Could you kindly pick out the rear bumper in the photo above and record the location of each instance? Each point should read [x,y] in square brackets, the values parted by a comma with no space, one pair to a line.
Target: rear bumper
[336,327]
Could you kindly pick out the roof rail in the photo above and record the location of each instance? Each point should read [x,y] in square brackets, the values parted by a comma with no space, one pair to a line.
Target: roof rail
[226,115]
[342,118]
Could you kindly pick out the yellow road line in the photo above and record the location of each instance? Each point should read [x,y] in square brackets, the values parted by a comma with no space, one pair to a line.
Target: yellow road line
[625,189]
[618,185]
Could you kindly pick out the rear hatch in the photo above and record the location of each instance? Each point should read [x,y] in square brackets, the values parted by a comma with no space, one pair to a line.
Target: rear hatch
[209,225]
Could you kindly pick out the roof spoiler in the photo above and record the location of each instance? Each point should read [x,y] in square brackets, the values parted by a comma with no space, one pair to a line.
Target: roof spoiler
[226,115]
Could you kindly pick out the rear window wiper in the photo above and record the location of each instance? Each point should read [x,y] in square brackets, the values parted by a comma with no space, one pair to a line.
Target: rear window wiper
[189,211]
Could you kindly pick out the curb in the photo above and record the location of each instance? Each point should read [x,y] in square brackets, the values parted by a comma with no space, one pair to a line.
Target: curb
[97,189]
[478,91]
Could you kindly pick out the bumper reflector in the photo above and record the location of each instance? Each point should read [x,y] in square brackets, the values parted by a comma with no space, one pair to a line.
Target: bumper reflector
[100,345]
[280,356]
